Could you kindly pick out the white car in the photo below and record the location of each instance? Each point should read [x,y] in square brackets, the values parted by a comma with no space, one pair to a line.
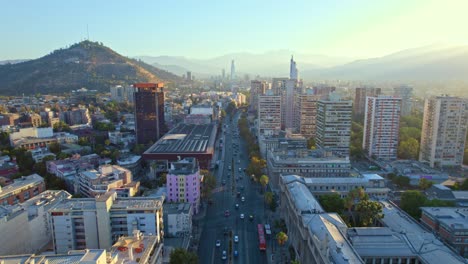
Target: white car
[242,216]
[224,256]
[236,239]
[243,199]
[218,243]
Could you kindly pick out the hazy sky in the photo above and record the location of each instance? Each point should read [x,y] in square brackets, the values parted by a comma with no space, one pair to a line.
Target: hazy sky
[201,29]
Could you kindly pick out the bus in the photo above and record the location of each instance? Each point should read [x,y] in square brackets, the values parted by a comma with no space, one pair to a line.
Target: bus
[261,238]
[267,231]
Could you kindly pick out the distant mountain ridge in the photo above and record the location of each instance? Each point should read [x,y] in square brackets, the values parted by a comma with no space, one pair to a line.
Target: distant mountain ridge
[84,64]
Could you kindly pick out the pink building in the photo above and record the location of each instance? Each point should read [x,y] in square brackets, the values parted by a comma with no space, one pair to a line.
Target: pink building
[183,183]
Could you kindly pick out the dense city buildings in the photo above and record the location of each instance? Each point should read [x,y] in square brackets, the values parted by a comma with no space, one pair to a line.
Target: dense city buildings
[97,223]
[35,137]
[122,94]
[381,127]
[92,183]
[334,125]
[183,183]
[24,227]
[149,112]
[444,129]
[269,114]
[306,163]
[405,92]
[22,189]
[8,166]
[306,113]
[282,141]
[184,140]
[257,88]
[360,96]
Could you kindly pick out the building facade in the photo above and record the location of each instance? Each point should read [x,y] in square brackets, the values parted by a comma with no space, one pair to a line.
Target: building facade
[306,113]
[405,92]
[334,125]
[183,183]
[382,127]
[360,96]
[269,114]
[444,129]
[149,112]
[22,189]
[257,88]
[82,223]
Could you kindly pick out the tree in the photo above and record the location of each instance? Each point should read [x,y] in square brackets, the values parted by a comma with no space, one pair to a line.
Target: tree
[311,143]
[180,255]
[230,108]
[264,181]
[464,185]
[408,149]
[268,198]
[411,201]
[332,203]
[54,147]
[61,127]
[138,149]
[401,181]
[369,211]
[424,184]
[209,183]
[354,196]
[282,238]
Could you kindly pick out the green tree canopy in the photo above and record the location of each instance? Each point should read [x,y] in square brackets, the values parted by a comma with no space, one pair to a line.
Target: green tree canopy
[369,212]
[332,202]
[425,184]
[411,201]
[179,256]
[282,238]
[408,149]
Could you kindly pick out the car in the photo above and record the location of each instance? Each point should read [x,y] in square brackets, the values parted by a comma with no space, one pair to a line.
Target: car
[243,199]
[218,243]
[226,230]
[251,217]
[224,255]
[229,167]
[242,187]
[236,253]
[236,239]
[240,169]
[237,206]
[238,194]
[227,213]
[242,216]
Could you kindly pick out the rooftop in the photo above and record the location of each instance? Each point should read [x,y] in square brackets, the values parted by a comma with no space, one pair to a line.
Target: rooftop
[142,246]
[305,156]
[181,208]
[450,217]
[20,183]
[186,138]
[425,244]
[303,199]
[73,257]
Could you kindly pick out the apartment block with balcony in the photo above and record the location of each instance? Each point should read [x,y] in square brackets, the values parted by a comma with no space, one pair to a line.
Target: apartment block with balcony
[269,114]
[22,189]
[97,223]
[183,183]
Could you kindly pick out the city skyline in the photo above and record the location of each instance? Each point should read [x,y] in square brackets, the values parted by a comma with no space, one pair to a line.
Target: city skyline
[358,29]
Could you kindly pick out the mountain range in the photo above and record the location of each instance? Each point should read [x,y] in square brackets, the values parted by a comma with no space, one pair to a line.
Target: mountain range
[84,64]
[427,63]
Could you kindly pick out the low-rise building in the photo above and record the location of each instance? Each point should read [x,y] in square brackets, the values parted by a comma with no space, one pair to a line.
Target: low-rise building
[8,166]
[307,163]
[82,223]
[177,219]
[91,183]
[130,162]
[183,183]
[282,141]
[24,228]
[139,248]
[122,138]
[450,224]
[38,154]
[22,189]
[416,170]
[89,256]
[37,137]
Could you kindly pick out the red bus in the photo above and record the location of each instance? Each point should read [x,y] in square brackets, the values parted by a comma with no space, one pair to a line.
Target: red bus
[261,237]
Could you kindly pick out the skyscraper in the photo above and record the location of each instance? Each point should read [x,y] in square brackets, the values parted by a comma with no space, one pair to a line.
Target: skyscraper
[334,124]
[360,98]
[306,113]
[381,127]
[293,72]
[443,135]
[149,112]
[233,71]
[257,88]
[189,76]
[404,92]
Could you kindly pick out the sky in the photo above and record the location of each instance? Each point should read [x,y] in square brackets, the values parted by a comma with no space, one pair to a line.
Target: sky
[206,29]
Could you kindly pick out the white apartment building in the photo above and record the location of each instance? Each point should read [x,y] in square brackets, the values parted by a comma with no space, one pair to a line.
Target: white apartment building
[91,183]
[97,223]
[24,228]
[381,127]
[443,135]
[178,219]
[269,114]
[334,125]
[306,113]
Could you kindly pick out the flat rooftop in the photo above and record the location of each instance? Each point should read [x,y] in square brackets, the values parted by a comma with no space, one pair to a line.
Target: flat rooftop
[186,138]
[73,257]
[450,217]
[177,208]
[304,201]
[145,243]
[20,183]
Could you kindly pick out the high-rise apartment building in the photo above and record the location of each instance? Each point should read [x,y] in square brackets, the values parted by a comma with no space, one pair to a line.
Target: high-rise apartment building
[334,124]
[183,183]
[122,94]
[233,71]
[306,113]
[278,85]
[269,114]
[404,92]
[381,127]
[257,88]
[81,223]
[292,88]
[360,98]
[149,112]
[443,135]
